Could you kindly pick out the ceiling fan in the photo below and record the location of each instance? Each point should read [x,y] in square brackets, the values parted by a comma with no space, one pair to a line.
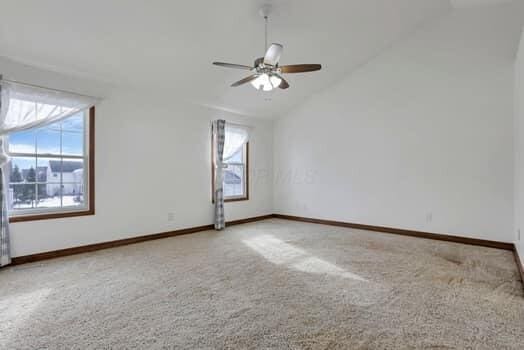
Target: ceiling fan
[266,72]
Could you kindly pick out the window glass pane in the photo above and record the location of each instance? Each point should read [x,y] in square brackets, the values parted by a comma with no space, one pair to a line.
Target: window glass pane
[72,144]
[234,181]
[238,157]
[22,169]
[22,142]
[48,140]
[48,175]
[49,169]
[74,123]
[22,188]
[72,182]
[48,197]
[21,196]
[73,194]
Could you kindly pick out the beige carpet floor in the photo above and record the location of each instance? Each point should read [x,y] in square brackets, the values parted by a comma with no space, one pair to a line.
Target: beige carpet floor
[268,285]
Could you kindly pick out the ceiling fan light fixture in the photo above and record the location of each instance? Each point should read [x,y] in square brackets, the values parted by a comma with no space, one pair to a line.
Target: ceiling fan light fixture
[266,82]
[263,82]
[275,81]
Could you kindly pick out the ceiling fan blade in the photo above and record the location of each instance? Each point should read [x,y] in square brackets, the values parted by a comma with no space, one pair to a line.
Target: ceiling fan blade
[284,84]
[245,80]
[232,65]
[273,54]
[300,68]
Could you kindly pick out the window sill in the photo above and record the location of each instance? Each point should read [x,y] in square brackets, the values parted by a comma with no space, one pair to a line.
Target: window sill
[236,199]
[48,216]
[239,199]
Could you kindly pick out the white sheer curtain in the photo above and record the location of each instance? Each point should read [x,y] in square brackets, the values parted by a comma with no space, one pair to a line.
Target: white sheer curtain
[22,107]
[25,106]
[236,137]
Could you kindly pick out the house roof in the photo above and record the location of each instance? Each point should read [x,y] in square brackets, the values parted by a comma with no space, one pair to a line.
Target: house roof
[231,178]
[65,166]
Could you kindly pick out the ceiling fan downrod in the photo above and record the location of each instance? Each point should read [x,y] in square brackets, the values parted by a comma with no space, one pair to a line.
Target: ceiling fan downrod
[265,42]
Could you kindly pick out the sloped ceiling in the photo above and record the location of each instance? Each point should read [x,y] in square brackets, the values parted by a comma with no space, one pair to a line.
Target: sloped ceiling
[169,45]
[474,3]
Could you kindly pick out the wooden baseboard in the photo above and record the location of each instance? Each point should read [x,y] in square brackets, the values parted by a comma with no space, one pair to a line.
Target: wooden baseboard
[121,242]
[126,241]
[397,231]
[248,220]
[419,234]
[520,263]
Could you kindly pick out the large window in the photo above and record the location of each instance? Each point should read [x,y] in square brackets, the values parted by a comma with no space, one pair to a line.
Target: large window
[51,169]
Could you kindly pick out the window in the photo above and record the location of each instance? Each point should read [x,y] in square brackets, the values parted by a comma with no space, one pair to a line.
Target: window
[51,170]
[235,175]
[236,179]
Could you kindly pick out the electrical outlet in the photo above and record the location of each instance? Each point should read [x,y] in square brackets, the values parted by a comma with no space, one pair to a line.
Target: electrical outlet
[518,234]
[429,217]
[170,216]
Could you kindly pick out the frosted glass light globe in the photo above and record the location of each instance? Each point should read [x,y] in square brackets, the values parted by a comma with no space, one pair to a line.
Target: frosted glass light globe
[275,81]
[262,83]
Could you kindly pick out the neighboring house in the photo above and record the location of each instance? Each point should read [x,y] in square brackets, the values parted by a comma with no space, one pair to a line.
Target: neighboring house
[232,183]
[78,176]
[230,178]
[72,177]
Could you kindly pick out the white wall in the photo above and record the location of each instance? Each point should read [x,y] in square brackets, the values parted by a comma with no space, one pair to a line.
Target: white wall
[152,157]
[519,146]
[419,138]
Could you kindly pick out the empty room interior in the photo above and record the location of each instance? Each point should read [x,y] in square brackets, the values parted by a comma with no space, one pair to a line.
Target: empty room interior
[262,174]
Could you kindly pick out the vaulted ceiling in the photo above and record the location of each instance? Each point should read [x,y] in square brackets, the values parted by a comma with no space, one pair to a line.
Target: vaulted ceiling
[476,3]
[169,45]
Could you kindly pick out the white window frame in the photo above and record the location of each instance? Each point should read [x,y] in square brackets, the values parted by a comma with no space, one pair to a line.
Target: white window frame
[86,206]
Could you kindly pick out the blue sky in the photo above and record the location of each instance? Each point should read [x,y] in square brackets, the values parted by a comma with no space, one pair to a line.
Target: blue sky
[47,140]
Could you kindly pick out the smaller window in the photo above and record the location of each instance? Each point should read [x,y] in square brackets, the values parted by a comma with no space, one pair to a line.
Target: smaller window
[236,178]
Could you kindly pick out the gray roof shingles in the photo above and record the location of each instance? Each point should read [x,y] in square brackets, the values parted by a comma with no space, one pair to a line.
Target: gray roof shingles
[66,166]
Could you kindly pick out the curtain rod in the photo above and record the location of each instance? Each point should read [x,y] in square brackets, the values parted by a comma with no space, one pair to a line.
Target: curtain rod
[44,87]
[240,125]
[251,127]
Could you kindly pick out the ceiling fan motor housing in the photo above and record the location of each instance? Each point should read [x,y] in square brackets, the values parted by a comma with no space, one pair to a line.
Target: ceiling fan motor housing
[258,61]
[260,67]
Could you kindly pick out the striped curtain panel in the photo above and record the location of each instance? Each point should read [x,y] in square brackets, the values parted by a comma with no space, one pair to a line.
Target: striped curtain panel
[5,250]
[5,247]
[219,136]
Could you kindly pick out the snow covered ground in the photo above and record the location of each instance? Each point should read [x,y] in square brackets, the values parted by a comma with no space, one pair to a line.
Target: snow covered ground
[51,202]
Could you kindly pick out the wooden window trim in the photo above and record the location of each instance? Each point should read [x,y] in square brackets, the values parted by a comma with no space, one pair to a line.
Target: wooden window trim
[239,199]
[91,184]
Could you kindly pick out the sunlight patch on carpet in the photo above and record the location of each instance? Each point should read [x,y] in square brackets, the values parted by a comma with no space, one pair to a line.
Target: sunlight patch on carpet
[282,253]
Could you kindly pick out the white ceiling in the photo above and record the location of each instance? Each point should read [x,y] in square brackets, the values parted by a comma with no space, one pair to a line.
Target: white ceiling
[472,3]
[170,44]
